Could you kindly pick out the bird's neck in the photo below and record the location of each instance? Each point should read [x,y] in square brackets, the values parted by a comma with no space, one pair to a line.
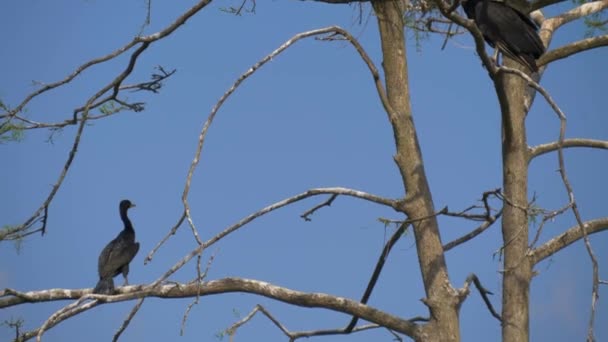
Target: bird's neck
[126,221]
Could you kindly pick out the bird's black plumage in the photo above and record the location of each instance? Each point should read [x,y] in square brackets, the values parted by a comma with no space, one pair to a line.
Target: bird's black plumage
[507,29]
[116,256]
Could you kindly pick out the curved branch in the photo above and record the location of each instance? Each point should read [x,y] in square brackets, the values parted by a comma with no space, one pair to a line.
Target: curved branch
[581,11]
[335,30]
[568,143]
[565,239]
[573,48]
[227,285]
[312,192]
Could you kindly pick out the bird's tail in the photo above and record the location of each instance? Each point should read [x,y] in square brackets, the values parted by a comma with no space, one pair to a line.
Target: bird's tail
[104,286]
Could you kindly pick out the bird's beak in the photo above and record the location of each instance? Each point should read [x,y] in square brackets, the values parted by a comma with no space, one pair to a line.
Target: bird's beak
[132,205]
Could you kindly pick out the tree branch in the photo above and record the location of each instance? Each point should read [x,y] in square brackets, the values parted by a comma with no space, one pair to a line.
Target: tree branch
[581,11]
[127,320]
[225,285]
[306,215]
[472,234]
[294,335]
[483,292]
[567,238]
[567,143]
[573,48]
[313,192]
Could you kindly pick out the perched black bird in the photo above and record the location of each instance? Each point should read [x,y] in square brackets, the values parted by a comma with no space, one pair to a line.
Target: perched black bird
[507,29]
[116,256]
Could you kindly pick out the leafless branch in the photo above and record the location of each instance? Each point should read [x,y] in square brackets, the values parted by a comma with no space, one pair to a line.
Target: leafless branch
[231,331]
[581,11]
[126,322]
[268,209]
[164,239]
[488,218]
[567,238]
[378,269]
[573,48]
[464,292]
[567,143]
[472,234]
[548,216]
[200,277]
[225,285]
[311,211]
[382,260]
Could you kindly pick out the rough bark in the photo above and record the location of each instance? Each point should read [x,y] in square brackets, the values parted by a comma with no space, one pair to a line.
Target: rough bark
[517,272]
[440,296]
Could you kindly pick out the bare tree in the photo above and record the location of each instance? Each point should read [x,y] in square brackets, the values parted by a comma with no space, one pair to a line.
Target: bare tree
[521,251]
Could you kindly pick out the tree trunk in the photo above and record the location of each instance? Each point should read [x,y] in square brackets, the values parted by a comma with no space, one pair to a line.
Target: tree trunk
[440,296]
[517,272]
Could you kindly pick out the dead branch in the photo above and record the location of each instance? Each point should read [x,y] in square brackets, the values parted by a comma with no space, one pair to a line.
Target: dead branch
[472,234]
[567,143]
[573,48]
[576,13]
[268,209]
[311,211]
[464,292]
[294,335]
[225,285]
[127,320]
[378,269]
[488,218]
[200,277]
[567,238]
[382,260]
[548,216]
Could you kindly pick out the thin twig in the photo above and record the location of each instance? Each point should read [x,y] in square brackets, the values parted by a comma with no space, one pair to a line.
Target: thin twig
[126,322]
[482,291]
[311,211]
[200,277]
[382,260]
[294,335]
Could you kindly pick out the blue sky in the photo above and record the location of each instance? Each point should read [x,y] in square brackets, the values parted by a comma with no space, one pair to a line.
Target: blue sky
[310,118]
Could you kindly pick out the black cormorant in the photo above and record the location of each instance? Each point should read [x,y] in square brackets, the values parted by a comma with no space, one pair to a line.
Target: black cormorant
[507,29]
[116,256]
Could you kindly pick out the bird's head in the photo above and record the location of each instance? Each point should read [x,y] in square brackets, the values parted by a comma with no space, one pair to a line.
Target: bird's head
[125,204]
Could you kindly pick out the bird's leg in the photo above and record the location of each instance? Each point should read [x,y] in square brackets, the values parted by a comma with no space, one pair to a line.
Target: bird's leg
[494,57]
[125,273]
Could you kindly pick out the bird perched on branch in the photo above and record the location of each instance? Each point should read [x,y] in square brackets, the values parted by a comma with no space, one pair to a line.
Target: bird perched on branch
[507,29]
[116,256]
